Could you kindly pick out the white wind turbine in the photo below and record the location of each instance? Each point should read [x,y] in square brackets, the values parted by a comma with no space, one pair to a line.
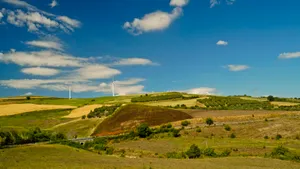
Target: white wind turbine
[113,87]
[70,92]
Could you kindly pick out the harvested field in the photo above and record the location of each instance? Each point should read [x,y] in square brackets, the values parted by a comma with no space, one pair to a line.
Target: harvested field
[79,112]
[189,103]
[284,104]
[12,109]
[130,116]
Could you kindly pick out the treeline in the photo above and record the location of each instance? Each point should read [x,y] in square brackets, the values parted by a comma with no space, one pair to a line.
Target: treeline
[31,136]
[103,111]
[169,96]
[234,103]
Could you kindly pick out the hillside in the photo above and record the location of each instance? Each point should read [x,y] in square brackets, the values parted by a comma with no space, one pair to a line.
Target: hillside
[131,115]
[58,156]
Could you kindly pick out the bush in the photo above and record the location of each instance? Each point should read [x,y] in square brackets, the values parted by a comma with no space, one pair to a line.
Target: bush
[143,130]
[271,98]
[175,133]
[225,153]
[185,123]
[280,150]
[266,137]
[28,97]
[210,152]
[278,136]
[232,135]
[109,150]
[198,130]
[83,117]
[227,127]
[103,111]
[193,152]
[209,121]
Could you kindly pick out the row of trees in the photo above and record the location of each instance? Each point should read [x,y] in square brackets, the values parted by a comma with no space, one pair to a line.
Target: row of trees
[103,111]
[31,136]
[149,98]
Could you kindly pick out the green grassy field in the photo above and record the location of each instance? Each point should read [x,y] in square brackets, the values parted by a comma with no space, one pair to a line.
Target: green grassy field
[58,156]
[80,127]
[43,119]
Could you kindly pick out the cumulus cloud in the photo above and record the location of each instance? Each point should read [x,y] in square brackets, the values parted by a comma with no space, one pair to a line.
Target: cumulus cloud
[201,90]
[42,58]
[179,3]
[45,44]
[97,72]
[292,55]
[152,22]
[35,19]
[134,61]
[28,94]
[53,4]
[237,68]
[222,43]
[129,81]
[40,71]
[69,21]
[1,15]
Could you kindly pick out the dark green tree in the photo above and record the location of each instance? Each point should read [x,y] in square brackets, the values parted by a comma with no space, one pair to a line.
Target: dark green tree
[209,121]
[193,152]
[144,130]
[271,98]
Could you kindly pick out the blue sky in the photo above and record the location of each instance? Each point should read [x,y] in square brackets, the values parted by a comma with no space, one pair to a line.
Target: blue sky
[223,47]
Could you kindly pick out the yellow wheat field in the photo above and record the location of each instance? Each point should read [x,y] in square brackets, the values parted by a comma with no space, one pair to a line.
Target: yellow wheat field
[12,109]
[79,112]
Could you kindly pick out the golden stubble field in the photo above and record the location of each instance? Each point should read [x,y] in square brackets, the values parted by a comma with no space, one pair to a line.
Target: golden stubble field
[12,109]
[85,110]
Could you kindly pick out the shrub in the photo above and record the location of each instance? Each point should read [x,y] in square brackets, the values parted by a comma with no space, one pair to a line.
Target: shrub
[209,121]
[227,127]
[232,135]
[83,117]
[266,137]
[109,150]
[278,136]
[103,111]
[28,97]
[210,152]
[198,130]
[193,152]
[144,130]
[58,136]
[175,133]
[280,150]
[185,123]
[225,153]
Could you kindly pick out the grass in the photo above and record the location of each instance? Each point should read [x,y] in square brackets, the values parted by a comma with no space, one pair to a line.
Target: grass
[43,119]
[58,156]
[129,116]
[80,127]
[188,103]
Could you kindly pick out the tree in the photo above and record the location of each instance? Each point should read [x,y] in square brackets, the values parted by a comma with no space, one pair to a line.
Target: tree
[28,97]
[193,152]
[185,123]
[209,121]
[144,130]
[270,98]
[83,117]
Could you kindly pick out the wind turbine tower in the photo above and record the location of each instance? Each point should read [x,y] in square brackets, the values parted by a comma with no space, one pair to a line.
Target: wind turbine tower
[70,92]
[113,87]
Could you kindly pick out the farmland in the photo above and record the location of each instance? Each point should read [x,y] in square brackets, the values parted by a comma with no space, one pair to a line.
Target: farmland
[242,130]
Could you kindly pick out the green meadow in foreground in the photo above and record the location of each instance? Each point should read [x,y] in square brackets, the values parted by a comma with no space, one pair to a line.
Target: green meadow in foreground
[59,156]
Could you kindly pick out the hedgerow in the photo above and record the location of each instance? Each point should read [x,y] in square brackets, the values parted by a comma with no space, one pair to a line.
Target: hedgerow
[103,111]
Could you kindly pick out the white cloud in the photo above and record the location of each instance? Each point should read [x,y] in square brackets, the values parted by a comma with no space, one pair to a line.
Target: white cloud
[292,55]
[201,90]
[1,15]
[124,90]
[179,3]
[28,94]
[237,68]
[132,81]
[222,43]
[40,71]
[97,72]
[152,22]
[134,61]
[213,3]
[35,18]
[69,21]
[42,58]
[53,4]
[46,44]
